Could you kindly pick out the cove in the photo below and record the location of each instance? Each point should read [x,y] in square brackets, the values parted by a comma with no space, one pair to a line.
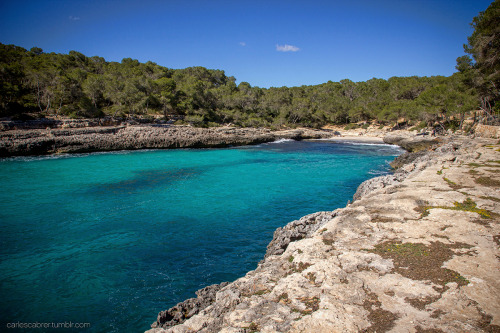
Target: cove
[111,239]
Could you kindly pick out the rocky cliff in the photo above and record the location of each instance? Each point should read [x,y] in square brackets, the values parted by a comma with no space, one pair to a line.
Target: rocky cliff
[417,251]
[108,138]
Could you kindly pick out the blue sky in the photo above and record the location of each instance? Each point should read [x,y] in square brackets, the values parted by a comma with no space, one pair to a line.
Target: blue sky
[266,43]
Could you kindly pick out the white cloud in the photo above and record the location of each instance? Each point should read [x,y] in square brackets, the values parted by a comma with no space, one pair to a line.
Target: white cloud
[286,48]
[74,18]
[243,44]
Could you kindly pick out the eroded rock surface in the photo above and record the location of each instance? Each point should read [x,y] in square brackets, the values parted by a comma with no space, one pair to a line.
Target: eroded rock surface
[416,252]
[297,230]
[185,310]
[91,139]
[412,143]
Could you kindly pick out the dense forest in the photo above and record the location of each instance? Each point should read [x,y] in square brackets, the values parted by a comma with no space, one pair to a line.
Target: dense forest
[37,84]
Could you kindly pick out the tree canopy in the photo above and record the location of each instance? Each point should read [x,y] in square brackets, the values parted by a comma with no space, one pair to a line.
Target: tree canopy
[482,72]
[38,83]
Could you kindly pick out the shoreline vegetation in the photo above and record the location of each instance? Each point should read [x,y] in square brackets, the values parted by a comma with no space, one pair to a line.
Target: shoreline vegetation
[36,85]
[48,85]
[77,86]
[416,250]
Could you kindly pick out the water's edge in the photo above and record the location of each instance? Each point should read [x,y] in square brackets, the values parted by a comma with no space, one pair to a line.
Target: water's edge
[28,142]
[297,230]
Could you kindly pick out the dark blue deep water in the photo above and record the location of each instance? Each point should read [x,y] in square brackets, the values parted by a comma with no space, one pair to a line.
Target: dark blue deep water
[111,239]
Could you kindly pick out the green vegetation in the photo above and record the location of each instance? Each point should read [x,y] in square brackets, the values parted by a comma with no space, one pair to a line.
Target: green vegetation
[253,327]
[487,181]
[423,210]
[482,72]
[262,292]
[37,84]
[420,126]
[468,205]
[404,249]
[422,262]
[452,184]
[490,198]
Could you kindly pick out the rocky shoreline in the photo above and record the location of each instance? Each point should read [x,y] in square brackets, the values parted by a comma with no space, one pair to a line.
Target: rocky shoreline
[416,251]
[24,142]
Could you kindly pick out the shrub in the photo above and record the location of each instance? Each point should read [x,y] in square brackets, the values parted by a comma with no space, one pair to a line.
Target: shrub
[351,126]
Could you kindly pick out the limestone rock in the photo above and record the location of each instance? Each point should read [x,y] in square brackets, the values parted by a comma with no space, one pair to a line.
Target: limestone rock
[129,137]
[188,308]
[297,230]
[376,183]
[416,251]
[412,143]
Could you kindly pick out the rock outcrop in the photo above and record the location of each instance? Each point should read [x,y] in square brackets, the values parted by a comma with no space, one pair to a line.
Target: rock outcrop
[412,143]
[185,310]
[92,139]
[416,251]
[487,131]
[297,230]
[377,183]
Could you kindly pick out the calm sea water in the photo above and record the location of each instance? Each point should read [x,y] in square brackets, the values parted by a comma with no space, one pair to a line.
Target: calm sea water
[111,239]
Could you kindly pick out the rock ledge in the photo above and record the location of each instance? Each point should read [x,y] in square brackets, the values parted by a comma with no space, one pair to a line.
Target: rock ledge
[416,251]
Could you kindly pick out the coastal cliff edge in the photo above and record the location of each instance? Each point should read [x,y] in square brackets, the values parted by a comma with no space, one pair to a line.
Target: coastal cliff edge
[416,251]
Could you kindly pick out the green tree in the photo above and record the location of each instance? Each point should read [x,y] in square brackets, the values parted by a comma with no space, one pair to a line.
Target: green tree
[12,75]
[165,93]
[77,85]
[42,76]
[484,47]
[93,87]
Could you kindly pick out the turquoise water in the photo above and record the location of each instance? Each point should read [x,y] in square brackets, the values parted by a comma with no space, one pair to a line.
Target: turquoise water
[111,239]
